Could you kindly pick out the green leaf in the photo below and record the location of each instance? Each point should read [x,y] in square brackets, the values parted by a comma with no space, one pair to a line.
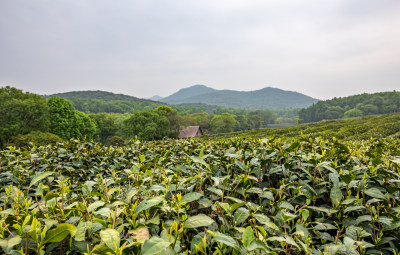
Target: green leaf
[323,209]
[277,238]
[205,203]
[7,245]
[105,212]
[257,245]
[385,220]
[148,203]
[267,194]
[236,206]
[235,199]
[346,178]
[289,240]
[200,161]
[271,225]
[190,197]
[215,191]
[40,177]
[286,205]
[375,193]
[200,220]
[81,230]
[247,237]
[241,215]
[154,246]
[363,218]
[261,218]
[286,239]
[59,233]
[396,209]
[102,248]
[140,234]
[349,201]
[155,220]
[336,195]
[96,204]
[353,208]
[254,190]
[129,195]
[221,238]
[111,238]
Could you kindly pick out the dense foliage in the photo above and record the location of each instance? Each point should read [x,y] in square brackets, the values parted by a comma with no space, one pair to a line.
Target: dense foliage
[101,101]
[67,123]
[27,117]
[107,102]
[387,125]
[233,196]
[21,113]
[352,106]
[147,125]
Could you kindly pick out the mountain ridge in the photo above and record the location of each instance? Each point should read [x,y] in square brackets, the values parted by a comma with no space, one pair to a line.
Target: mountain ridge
[265,98]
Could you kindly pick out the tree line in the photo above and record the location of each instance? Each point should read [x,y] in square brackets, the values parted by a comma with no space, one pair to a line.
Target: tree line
[352,106]
[27,117]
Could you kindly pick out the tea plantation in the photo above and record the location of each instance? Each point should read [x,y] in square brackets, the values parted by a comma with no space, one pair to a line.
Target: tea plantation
[262,192]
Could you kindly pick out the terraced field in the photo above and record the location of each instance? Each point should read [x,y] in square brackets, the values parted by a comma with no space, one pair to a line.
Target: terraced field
[259,192]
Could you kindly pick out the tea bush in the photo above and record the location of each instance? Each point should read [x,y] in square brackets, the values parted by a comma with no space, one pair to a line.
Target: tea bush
[219,196]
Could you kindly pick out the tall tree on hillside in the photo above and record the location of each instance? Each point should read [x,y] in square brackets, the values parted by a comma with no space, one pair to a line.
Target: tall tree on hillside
[67,123]
[173,118]
[107,127]
[223,123]
[147,125]
[21,113]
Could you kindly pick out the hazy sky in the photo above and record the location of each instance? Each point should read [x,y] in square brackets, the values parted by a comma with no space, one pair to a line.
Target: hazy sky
[322,48]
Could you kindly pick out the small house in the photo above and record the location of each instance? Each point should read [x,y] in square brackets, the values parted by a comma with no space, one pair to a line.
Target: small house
[190,131]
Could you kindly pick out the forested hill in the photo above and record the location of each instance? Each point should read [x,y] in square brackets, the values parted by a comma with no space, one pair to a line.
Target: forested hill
[96,94]
[266,98]
[352,106]
[102,101]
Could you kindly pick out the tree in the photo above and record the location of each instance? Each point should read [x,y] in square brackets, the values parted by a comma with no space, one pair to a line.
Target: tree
[223,123]
[201,119]
[368,109]
[21,113]
[106,125]
[173,118]
[353,113]
[147,125]
[243,123]
[334,112]
[67,123]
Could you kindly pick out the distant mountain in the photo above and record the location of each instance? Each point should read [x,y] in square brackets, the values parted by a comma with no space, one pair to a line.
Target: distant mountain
[185,93]
[266,98]
[155,98]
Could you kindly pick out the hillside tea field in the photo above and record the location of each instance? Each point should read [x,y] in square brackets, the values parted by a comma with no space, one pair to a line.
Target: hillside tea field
[222,196]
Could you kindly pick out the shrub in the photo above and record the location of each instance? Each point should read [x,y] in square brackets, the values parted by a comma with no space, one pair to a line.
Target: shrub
[35,137]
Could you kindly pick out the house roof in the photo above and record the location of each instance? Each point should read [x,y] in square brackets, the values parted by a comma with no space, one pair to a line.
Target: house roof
[190,131]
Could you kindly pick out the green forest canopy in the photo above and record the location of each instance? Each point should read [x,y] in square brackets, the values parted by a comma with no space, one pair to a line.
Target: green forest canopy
[352,106]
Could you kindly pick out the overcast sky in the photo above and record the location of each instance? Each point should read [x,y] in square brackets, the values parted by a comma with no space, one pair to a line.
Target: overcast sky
[322,48]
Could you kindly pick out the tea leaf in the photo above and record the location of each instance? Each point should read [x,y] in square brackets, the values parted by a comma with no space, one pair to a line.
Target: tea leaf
[154,246]
[39,177]
[200,220]
[111,238]
[59,233]
[148,203]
